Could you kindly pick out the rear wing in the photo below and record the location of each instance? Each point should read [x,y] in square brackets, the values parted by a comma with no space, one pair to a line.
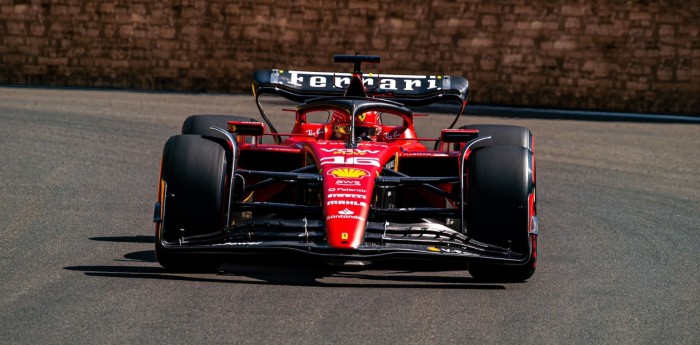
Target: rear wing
[411,90]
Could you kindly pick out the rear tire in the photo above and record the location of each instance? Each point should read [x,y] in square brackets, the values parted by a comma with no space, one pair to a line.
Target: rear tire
[498,211]
[194,173]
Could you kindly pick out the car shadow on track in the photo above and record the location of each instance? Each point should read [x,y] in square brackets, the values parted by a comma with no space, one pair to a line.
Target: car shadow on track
[126,239]
[290,271]
[305,272]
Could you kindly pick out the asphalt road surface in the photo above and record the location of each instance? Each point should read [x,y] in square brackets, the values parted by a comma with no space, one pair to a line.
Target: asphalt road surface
[619,206]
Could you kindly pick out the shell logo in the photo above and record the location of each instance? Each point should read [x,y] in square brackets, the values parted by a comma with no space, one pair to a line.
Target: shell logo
[348,173]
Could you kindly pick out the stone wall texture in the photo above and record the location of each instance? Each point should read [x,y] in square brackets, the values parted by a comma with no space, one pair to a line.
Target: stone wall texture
[632,55]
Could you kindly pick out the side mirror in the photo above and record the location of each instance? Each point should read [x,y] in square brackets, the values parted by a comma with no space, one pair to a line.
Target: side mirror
[458,135]
[246,128]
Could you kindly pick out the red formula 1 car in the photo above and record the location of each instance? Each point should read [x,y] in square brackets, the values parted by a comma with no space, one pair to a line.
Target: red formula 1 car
[351,183]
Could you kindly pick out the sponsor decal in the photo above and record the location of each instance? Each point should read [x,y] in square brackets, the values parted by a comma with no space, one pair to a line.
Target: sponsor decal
[345,216]
[447,250]
[348,190]
[347,183]
[342,80]
[349,151]
[346,196]
[238,244]
[394,134]
[273,148]
[426,154]
[451,251]
[313,133]
[348,173]
[346,212]
[346,202]
[351,161]
[332,143]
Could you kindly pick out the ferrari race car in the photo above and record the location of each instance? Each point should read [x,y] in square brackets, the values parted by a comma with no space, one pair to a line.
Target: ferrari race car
[351,183]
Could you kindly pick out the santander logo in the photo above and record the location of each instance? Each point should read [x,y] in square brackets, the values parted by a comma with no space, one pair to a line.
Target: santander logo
[346,212]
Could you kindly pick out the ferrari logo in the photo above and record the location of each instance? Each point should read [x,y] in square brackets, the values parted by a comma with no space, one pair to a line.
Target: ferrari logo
[361,117]
[344,236]
[348,173]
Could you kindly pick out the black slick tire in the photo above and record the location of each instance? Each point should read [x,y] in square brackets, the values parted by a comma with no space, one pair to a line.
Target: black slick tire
[193,174]
[503,135]
[500,183]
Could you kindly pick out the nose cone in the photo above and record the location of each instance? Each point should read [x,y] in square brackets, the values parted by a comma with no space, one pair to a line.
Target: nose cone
[348,184]
[348,191]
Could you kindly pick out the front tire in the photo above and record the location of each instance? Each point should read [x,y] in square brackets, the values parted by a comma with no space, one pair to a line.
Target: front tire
[500,208]
[503,135]
[193,180]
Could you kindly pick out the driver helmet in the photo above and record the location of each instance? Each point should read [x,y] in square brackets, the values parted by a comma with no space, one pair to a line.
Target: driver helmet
[367,126]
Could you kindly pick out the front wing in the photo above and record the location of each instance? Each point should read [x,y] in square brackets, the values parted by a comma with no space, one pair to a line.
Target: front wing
[383,241]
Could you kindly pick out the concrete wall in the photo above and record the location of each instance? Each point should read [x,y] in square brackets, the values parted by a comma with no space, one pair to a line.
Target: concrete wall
[633,55]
